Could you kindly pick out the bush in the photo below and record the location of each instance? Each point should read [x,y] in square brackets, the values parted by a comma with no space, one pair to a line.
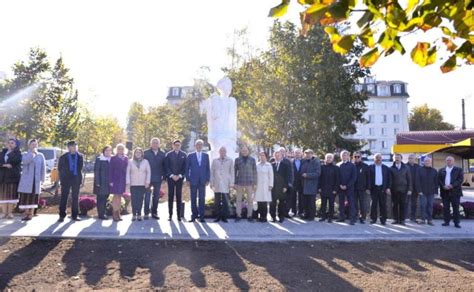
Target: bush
[468,208]
[86,204]
[42,203]
[437,210]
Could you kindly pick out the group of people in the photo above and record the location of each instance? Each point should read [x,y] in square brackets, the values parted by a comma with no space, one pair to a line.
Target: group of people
[282,186]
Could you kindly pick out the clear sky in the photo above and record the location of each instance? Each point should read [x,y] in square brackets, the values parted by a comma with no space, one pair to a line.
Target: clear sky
[125,51]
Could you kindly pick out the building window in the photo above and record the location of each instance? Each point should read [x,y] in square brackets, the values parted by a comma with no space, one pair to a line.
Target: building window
[383,131]
[395,131]
[396,118]
[397,88]
[370,118]
[371,88]
[384,118]
[175,91]
[383,105]
[371,132]
[383,144]
[372,145]
[358,87]
[395,105]
[383,90]
[370,105]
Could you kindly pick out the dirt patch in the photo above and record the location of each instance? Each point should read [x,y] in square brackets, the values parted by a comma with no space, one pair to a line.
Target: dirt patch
[27,264]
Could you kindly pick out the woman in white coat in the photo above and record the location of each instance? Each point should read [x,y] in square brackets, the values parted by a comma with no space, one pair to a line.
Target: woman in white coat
[263,195]
[32,177]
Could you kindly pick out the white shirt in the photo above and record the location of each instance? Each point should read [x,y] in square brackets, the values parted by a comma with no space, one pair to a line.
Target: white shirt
[447,179]
[199,157]
[378,175]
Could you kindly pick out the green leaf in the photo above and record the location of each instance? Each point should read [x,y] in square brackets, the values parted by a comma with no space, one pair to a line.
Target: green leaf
[465,51]
[420,54]
[370,58]
[449,65]
[398,45]
[365,19]
[279,10]
[344,45]
[367,38]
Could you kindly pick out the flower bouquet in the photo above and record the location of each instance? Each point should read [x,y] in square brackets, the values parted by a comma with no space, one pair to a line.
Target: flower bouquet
[86,203]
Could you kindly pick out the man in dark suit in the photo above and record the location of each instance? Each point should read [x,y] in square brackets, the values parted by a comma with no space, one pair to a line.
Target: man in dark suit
[362,187]
[310,172]
[175,163]
[281,183]
[198,175]
[328,186]
[450,179]
[348,176]
[412,200]
[295,203]
[400,188]
[156,159]
[70,175]
[380,182]
[286,159]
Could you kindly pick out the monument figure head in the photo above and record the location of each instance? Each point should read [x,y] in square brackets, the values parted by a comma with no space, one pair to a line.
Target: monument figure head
[224,86]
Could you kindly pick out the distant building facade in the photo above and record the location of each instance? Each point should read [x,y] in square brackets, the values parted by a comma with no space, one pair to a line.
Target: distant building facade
[386,115]
[177,94]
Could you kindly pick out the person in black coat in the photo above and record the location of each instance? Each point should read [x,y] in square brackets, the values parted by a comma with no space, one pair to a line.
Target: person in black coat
[450,180]
[70,175]
[175,163]
[10,172]
[427,178]
[311,174]
[401,187]
[328,186]
[362,187]
[156,159]
[281,183]
[348,177]
[295,203]
[380,182]
[285,159]
[412,200]
[102,181]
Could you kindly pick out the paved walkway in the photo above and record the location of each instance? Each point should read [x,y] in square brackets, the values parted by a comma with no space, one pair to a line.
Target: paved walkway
[293,229]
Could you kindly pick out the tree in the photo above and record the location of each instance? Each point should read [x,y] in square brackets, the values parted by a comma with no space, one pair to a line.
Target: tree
[299,92]
[382,24]
[423,118]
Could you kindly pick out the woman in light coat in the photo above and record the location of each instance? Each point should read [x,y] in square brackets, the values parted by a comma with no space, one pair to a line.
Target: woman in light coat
[138,179]
[32,177]
[222,180]
[263,195]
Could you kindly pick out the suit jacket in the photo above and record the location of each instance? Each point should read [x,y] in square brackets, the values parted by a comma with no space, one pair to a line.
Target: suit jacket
[198,174]
[401,179]
[281,179]
[457,178]
[329,180]
[297,179]
[245,172]
[415,183]
[10,175]
[175,163]
[427,178]
[312,168]
[65,173]
[157,164]
[363,177]
[292,174]
[348,174]
[386,178]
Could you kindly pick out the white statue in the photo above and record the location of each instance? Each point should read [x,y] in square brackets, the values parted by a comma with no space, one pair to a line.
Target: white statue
[221,112]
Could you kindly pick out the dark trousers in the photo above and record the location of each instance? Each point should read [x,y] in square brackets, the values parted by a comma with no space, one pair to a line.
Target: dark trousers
[349,195]
[398,205]
[360,203]
[101,205]
[279,204]
[379,201]
[410,206]
[221,205]
[453,201]
[309,206]
[325,200]
[175,189]
[137,193]
[198,192]
[156,198]
[262,210]
[295,203]
[69,186]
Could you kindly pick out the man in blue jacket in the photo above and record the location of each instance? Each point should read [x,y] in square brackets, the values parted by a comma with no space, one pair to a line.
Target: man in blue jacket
[348,176]
[156,159]
[198,175]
